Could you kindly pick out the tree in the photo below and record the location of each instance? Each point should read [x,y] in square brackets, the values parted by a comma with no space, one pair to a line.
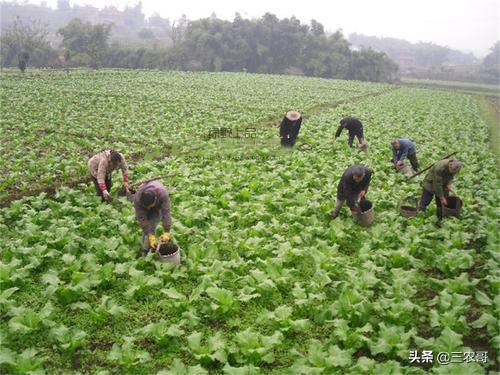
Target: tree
[145,33]
[491,65]
[272,45]
[369,65]
[178,30]
[23,41]
[317,28]
[492,61]
[428,54]
[87,39]
[23,59]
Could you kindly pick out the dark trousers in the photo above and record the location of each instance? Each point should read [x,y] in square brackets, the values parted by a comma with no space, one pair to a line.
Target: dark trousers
[288,142]
[355,133]
[414,162]
[107,181]
[426,199]
[153,218]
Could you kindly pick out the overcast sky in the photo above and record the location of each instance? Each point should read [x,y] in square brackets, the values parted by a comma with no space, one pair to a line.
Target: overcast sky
[468,25]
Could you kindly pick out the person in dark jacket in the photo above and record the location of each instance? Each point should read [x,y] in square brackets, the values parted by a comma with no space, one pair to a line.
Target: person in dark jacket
[355,128]
[152,204]
[403,148]
[352,187]
[289,128]
[437,183]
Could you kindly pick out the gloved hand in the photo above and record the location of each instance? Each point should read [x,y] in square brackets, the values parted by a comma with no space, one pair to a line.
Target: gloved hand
[107,197]
[165,237]
[153,242]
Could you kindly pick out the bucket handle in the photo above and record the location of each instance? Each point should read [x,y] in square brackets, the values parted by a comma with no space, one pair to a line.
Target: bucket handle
[409,199]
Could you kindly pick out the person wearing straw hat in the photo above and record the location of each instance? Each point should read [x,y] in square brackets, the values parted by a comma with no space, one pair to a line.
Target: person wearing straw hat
[353,186]
[437,183]
[101,167]
[152,204]
[355,128]
[289,128]
[403,148]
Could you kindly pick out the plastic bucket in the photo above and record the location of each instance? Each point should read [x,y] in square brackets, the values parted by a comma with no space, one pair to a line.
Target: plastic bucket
[407,209]
[365,216]
[169,253]
[454,207]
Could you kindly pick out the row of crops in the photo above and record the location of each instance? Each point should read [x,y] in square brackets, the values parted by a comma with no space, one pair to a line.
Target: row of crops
[268,283]
[52,122]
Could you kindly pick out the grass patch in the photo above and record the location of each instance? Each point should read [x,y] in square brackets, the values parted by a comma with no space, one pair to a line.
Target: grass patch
[489,108]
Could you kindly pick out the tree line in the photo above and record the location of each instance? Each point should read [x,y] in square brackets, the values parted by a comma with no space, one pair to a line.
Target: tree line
[265,45]
[428,60]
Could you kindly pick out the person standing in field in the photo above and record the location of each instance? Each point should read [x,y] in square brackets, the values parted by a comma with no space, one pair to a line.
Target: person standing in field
[101,167]
[152,204]
[403,148]
[437,183]
[289,128]
[352,188]
[355,128]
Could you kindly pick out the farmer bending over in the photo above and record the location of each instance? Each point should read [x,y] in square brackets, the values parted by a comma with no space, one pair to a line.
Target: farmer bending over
[355,128]
[403,148]
[437,183]
[101,166]
[352,187]
[151,203]
[289,128]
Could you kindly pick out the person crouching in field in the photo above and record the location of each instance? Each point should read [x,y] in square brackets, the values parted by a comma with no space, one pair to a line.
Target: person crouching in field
[352,188]
[152,204]
[403,148]
[437,183]
[101,166]
[289,128]
[355,128]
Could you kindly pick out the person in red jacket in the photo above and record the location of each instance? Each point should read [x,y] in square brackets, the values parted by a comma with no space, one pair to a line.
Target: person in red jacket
[101,167]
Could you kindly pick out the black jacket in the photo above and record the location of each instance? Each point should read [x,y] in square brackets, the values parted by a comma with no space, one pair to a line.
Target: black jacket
[289,130]
[352,124]
[349,189]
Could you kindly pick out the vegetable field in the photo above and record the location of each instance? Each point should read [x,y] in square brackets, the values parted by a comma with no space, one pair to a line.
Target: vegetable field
[268,282]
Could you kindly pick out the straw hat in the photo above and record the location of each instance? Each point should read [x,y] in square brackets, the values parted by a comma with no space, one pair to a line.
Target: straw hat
[293,115]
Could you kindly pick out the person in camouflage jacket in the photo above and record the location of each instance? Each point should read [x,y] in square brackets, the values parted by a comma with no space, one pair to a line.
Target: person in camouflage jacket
[437,183]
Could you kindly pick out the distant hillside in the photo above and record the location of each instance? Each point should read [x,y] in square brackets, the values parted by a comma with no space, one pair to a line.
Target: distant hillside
[420,55]
[129,24]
